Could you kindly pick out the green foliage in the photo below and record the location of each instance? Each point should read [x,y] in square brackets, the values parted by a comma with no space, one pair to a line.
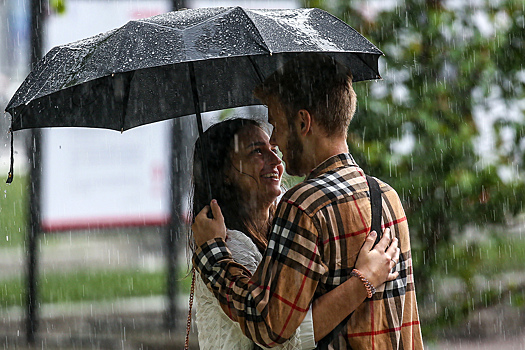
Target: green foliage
[13,211]
[290,181]
[439,67]
[483,261]
[59,6]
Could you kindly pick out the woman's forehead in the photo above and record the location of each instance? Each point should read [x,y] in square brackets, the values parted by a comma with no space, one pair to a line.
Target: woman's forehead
[248,137]
[252,133]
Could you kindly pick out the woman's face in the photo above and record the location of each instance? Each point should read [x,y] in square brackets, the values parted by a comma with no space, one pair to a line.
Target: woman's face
[256,168]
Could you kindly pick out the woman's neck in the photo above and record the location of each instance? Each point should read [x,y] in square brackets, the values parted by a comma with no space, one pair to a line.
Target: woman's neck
[261,219]
[259,214]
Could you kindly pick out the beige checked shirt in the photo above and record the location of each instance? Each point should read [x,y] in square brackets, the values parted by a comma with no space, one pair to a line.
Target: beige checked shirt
[318,230]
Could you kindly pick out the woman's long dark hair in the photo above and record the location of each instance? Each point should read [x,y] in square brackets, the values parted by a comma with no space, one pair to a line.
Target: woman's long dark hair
[218,143]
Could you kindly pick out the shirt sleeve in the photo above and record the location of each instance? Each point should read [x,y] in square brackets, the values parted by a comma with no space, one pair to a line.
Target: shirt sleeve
[271,305]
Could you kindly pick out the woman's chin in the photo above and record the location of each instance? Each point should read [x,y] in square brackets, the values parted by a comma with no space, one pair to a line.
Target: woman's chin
[275,192]
[271,194]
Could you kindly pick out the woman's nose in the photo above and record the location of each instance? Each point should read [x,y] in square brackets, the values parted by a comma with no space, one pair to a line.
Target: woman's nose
[273,158]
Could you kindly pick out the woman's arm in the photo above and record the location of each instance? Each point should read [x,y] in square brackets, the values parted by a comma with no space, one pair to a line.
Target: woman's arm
[375,263]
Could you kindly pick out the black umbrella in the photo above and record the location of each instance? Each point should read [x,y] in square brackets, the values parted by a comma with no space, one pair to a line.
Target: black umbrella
[179,63]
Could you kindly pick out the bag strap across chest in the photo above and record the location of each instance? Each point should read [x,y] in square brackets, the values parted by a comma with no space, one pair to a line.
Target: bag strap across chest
[377,211]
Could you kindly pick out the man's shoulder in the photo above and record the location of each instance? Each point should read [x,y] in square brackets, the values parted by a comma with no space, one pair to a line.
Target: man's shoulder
[385,187]
[315,193]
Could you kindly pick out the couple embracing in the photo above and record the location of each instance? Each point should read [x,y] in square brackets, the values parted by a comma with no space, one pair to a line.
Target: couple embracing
[306,272]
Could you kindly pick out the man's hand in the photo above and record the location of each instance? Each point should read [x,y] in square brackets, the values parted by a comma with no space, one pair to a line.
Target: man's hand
[376,263]
[205,228]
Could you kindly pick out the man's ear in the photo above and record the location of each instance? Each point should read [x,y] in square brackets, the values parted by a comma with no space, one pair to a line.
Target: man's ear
[304,119]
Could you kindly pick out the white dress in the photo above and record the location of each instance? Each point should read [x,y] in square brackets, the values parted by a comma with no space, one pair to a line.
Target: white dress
[216,330]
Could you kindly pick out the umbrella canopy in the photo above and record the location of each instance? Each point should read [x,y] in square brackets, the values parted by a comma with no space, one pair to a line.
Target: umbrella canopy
[179,63]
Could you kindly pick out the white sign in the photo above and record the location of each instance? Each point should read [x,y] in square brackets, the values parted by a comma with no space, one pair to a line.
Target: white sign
[101,178]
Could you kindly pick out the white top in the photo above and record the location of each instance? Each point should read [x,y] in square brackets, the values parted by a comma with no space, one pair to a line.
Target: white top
[217,331]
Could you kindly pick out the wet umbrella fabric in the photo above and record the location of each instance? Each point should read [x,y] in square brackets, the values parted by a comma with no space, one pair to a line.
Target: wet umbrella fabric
[142,72]
[176,64]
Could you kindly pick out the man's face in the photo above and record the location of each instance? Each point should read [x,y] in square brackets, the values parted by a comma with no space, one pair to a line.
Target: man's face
[286,137]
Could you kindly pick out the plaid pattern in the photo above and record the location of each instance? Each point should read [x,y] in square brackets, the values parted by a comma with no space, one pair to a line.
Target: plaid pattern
[319,228]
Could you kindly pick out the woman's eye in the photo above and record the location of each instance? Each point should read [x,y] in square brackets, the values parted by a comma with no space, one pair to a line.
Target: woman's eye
[274,150]
[257,151]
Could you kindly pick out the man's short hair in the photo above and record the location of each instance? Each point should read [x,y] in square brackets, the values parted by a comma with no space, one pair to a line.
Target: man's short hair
[316,83]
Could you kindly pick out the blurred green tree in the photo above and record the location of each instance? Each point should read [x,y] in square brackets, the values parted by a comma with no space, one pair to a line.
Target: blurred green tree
[448,73]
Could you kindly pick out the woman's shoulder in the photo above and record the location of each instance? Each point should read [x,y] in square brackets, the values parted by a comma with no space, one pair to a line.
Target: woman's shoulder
[243,250]
[239,238]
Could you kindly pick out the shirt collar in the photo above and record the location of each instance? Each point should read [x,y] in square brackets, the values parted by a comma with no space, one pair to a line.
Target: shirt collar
[335,162]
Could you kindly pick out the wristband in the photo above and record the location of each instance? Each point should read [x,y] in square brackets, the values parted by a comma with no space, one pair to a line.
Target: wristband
[370,289]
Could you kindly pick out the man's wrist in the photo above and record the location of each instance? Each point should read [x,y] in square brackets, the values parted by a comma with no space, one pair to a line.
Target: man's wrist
[370,289]
[209,242]
[201,242]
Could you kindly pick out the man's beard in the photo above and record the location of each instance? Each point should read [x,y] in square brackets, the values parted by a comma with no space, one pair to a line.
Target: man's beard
[294,149]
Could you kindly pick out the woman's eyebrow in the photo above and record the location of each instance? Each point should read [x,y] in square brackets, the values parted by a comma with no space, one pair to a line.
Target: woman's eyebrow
[256,144]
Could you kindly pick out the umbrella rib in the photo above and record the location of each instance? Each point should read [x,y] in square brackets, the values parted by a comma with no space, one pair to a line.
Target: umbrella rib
[162,26]
[373,47]
[366,64]
[43,85]
[256,68]
[262,43]
[306,36]
[126,102]
[185,28]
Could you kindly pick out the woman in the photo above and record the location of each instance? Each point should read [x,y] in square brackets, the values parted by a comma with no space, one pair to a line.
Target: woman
[245,174]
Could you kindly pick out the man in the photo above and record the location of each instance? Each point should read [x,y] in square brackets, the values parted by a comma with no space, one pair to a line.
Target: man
[319,225]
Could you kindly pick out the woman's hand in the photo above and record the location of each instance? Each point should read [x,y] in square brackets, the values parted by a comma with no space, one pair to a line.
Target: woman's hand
[376,263]
[205,228]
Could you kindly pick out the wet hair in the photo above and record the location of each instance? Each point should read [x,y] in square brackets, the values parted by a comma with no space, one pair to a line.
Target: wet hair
[218,143]
[316,83]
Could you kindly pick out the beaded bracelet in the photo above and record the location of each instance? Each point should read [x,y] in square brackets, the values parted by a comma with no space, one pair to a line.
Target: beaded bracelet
[370,289]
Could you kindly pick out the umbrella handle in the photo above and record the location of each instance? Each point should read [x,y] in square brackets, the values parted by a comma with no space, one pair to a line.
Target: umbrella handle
[10,174]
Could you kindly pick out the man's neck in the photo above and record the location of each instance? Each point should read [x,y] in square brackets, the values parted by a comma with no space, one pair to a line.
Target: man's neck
[323,149]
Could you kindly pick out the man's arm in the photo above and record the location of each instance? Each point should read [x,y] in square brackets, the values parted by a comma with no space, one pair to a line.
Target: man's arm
[270,305]
[374,262]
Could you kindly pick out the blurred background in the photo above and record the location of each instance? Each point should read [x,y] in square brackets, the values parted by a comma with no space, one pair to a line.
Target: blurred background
[94,238]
